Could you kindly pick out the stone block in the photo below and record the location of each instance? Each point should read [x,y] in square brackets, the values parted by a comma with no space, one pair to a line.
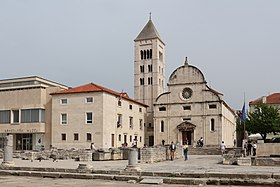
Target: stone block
[151,181]
[244,161]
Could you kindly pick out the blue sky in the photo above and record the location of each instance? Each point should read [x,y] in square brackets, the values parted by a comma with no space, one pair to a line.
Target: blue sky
[75,42]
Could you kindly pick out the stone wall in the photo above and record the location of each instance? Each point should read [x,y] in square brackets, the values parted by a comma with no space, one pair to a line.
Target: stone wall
[268,149]
[158,154]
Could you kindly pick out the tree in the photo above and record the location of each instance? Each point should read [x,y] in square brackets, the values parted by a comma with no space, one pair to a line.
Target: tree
[265,119]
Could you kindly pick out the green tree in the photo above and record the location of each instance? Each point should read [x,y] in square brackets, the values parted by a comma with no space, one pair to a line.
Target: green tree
[265,119]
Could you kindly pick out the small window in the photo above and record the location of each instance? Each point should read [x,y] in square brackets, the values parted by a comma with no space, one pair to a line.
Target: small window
[89,137]
[131,122]
[187,107]
[162,108]
[63,137]
[89,100]
[150,124]
[140,124]
[140,109]
[63,101]
[63,119]
[119,121]
[76,136]
[89,118]
[142,81]
[130,138]
[212,106]
[130,107]
[186,119]
[140,139]
[142,69]
[120,138]
[162,126]
[212,125]
[15,116]
[119,102]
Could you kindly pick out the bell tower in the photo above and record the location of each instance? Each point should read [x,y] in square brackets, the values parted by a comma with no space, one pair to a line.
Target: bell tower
[149,72]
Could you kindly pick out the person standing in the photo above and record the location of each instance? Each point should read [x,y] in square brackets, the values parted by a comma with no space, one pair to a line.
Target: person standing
[249,148]
[185,149]
[172,148]
[223,148]
[254,148]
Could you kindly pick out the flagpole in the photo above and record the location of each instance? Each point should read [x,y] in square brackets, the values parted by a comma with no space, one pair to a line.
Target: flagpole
[245,118]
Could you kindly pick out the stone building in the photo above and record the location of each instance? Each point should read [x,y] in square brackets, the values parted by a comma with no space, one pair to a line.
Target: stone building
[25,111]
[271,100]
[92,113]
[190,110]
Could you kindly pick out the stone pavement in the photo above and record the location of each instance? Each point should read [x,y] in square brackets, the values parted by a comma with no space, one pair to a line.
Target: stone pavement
[197,167]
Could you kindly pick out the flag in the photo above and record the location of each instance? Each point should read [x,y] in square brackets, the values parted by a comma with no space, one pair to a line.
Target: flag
[243,116]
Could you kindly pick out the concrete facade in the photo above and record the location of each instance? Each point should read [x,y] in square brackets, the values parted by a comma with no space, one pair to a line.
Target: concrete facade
[25,111]
[190,109]
[116,119]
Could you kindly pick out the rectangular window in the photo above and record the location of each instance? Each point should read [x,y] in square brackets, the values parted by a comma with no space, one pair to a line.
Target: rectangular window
[5,116]
[186,119]
[140,138]
[131,122]
[130,138]
[89,137]
[142,69]
[63,137]
[212,125]
[32,115]
[63,119]
[212,106]
[119,122]
[187,107]
[15,116]
[120,138]
[63,101]
[140,109]
[162,108]
[140,124]
[76,136]
[89,118]
[130,107]
[89,100]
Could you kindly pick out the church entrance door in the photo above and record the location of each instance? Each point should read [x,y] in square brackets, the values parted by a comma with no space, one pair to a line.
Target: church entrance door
[187,135]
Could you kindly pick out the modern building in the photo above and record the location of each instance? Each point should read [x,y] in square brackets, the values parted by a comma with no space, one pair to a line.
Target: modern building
[190,109]
[94,114]
[25,111]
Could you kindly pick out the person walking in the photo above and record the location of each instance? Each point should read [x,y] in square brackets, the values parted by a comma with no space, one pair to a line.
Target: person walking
[172,148]
[223,148]
[185,149]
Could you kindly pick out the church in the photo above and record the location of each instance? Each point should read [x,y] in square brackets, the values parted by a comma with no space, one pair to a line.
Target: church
[189,109]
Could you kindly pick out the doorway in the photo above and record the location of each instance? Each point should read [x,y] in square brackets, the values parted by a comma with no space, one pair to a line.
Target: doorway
[187,135]
[24,142]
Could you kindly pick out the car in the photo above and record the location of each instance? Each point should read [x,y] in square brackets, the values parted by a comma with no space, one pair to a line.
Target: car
[275,140]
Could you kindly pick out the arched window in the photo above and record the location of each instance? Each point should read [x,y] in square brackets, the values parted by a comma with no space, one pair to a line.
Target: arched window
[141,52]
[151,54]
[144,54]
[148,54]
[162,126]
[212,124]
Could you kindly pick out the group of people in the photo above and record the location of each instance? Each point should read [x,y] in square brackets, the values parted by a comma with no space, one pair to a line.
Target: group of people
[250,148]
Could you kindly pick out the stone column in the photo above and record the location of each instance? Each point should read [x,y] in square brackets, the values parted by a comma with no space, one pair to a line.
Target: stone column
[133,160]
[8,152]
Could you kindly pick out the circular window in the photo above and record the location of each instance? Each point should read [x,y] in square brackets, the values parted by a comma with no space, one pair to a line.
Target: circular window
[187,93]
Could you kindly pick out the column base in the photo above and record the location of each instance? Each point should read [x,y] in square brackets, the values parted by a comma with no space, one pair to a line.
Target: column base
[132,168]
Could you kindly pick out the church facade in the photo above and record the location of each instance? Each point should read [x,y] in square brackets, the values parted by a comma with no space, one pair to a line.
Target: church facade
[189,109]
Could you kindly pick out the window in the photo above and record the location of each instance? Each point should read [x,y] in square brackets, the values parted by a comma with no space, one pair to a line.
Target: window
[89,100]
[76,136]
[119,102]
[140,124]
[120,138]
[5,116]
[150,68]
[142,69]
[63,118]
[130,107]
[140,138]
[187,107]
[142,81]
[89,137]
[131,122]
[63,101]
[212,125]
[119,122]
[162,108]
[63,137]
[130,138]
[150,80]
[140,109]
[186,119]
[142,54]
[212,106]
[32,115]
[15,116]
[162,126]
[89,118]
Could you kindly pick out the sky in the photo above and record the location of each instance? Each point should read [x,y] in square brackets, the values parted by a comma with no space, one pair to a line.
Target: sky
[235,43]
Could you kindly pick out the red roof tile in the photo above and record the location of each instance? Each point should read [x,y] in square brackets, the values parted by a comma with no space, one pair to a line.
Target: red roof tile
[271,99]
[91,87]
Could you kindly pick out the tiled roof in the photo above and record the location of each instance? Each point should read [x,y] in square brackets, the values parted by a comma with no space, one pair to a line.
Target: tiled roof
[91,87]
[270,99]
[214,91]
